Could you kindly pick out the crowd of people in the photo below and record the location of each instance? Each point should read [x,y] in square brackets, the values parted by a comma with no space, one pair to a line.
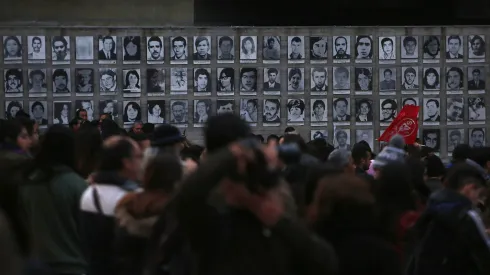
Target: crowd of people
[95,199]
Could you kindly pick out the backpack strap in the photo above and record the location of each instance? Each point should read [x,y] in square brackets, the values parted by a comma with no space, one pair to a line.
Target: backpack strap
[96,199]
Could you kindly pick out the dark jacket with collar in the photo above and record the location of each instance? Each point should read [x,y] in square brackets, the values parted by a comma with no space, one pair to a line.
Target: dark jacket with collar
[98,223]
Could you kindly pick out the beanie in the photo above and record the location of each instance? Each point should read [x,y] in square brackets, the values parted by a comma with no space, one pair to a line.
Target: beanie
[391,153]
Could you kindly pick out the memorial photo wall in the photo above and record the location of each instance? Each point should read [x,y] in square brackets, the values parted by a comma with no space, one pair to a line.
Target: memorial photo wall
[340,85]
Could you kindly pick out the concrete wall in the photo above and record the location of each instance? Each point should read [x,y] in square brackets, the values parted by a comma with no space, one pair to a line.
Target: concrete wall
[195,133]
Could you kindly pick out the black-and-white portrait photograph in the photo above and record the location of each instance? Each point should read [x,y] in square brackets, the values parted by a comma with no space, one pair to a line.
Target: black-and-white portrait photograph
[341,78]
[432,138]
[37,83]
[202,110]
[387,79]
[455,110]
[61,82]
[226,49]
[156,111]
[319,80]
[12,49]
[108,80]
[12,107]
[179,112]
[87,105]
[178,50]
[226,81]
[271,51]
[225,106]
[388,110]
[365,135]
[296,81]
[178,80]
[455,137]
[476,47]
[432,47]
[38,110]
[36,49]
[319,134]
[131,111]
[84,79]
[414,101]
[107,49]
[387,48]
[202,50]
[60,50]
[249,109]
[409,47]
[84,49]
[296,110]
[341,48]
[202,80]
[476,79]
[132,82]
[432,111]
[272,81]
[155,82]
[477,137]
[248,49]
[364,79]
[476,109]
[454,79]
[248,81]
[342,139]
[341,109]
[62,112]
[364,48]
[410,79]
[109,107]
[272,111]
[318,48]
[13,82]
[155,50]
[454,48]
[319,113]
[432,80]
[364,111]
[131,50]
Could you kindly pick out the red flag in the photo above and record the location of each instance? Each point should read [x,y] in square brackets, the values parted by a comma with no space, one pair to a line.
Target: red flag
[405,124]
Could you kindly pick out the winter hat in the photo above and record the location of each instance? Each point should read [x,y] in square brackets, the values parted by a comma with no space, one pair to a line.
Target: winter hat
[393,152]
[165,135]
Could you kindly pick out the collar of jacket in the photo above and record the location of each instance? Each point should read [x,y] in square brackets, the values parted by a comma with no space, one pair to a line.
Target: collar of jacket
[114,178]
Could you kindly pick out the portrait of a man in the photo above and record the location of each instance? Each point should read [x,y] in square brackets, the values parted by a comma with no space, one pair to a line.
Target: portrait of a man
[61,81]
[454,47]
[178,49]
[178,111]
[36,47]
[84,48]
[61,48]
[476,47]
[432,110]
[85,109]
[295,79]
[202,110]
[432,138]
[202,80]
[108,80]
[272,48]
[477,137]
[202,48]
[341,47]
[296,110]
[272,111]
[318,48]
[410,79]
[342,139]
[388,109]
[226,80]
[365,135]
[455,109]
[476,109]
[155,50]
[225,106]
[364,79]
[248,79]
[272,79]
[37,82]
[319,110]
[364,110]
[341,78]
[432,47]
[226,48]
[387,79]
[387,48]
[107,48]
[84,80]
[414,101]
[364,47]
[38,112]
[454,78]
[249,109]
[341,111]
[13,80]
[319,79]
[155,81]
[409,47]
[178,79]
[476,78]
[455,137]
[296,48]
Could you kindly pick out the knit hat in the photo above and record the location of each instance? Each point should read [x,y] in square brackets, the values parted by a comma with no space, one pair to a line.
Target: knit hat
[165,135]
[391,153]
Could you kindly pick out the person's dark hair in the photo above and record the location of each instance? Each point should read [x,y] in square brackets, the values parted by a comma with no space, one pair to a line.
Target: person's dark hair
[27,123]
[88,143]
[77,113]
[316,173]
[193,152]
[109,128]
[74,122]
[462,174]
[481,156]
[111,157]
[434,166]
[163,172]
[224,129]
[359,151]
[289,129]
[138,137]
[275,137]
[148,128]
[297,139]
[11,129]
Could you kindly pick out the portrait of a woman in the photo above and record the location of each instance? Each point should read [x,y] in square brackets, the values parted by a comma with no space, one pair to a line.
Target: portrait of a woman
[156,111]
[132,81]
[248,49]
[132,112]
[109,107]
[431,79]
[12,108]
[12,48]
[61,113]
[432,47]
[226,80]
[132,48]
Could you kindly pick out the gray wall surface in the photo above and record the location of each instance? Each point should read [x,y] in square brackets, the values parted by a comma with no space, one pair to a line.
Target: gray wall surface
[195,133]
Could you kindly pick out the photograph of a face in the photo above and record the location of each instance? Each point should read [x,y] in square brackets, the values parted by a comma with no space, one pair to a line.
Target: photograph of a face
[318,47]
[455,137]
[341,78]
[432,47]
[178,50]
[249,109]
[318,110]
[131,111]
[364,47]
[387,48]
[296,110]
[226,49]
[107,49]
[454,47]
[12,107]
[341,47]
[248,48]
[132,49]
[36,47]
[296,48]
[409,47]
[202,110]
[319,79]
[477,47]
[155,51]
[156,111]
[202,49]
[296,80]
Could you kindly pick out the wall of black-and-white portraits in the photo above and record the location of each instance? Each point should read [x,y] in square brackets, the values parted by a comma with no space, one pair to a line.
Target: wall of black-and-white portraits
[301,78]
